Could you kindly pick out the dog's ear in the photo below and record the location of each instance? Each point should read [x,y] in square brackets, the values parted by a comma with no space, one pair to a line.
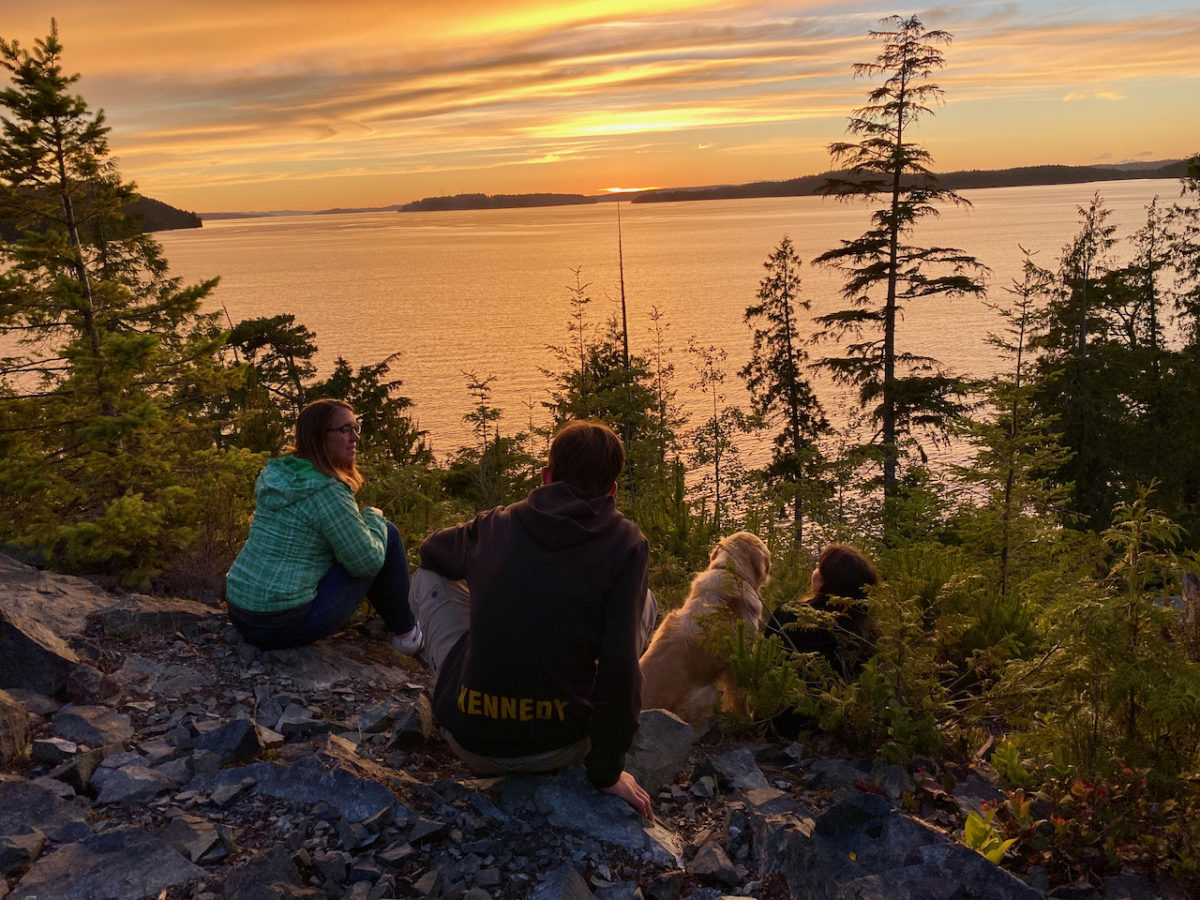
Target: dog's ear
[753,555]
[765,556]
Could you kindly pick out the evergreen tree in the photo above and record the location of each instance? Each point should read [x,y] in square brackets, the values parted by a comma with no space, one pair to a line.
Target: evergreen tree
[1180,392]
[668,417]
[275,354]
[1014,502]
[1183,237]
[500,469]
[781,396]
[904,392]
[624,399]
[1084,371]
[117,362]
[713,441]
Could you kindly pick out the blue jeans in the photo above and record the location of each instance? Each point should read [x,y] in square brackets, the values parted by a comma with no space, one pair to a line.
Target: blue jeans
[338,596]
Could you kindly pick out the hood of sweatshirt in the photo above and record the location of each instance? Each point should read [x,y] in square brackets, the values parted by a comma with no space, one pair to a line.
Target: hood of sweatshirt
[287,480]
[557,517]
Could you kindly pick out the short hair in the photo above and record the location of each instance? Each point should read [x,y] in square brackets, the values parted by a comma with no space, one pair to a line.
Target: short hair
[586,455]
[311,427]
[845,572]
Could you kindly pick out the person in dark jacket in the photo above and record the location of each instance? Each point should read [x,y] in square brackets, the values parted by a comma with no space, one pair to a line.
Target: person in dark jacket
[534,616]
[840,583]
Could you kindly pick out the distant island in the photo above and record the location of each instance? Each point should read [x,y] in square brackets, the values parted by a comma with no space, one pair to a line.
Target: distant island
[495,201]
[1024,176]
[806,185]
[809,185]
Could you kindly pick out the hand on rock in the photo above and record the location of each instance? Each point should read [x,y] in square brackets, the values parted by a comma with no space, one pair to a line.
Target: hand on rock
[627,788]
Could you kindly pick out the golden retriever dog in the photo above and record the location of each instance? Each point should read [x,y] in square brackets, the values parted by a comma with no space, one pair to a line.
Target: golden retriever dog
[678,674]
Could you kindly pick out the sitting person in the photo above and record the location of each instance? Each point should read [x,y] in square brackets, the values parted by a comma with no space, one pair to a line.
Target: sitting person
[534,617]
[312,555]
[843,573]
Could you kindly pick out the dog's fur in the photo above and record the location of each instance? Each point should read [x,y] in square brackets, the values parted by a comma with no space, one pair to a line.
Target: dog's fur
[678,674]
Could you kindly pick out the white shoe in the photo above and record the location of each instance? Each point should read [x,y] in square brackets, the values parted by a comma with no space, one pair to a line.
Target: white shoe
[409,644]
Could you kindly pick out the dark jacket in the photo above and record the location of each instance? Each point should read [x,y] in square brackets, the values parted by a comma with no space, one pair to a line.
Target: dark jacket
[557,586]
[846,645]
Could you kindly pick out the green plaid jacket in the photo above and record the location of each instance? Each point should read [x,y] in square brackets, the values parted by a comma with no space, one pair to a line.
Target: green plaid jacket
[303,522]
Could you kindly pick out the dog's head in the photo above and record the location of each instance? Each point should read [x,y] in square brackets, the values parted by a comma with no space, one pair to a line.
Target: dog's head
[748,554]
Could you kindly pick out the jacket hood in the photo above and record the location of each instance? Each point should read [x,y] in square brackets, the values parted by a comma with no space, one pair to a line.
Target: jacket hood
[287,480]
[556,517]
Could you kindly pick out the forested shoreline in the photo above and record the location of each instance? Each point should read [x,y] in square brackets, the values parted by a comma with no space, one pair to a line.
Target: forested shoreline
[1039,604]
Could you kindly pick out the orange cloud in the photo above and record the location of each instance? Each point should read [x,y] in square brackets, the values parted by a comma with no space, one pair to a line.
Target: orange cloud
[380,96]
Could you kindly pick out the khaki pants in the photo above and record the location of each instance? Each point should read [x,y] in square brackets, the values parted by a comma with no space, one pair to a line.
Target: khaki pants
[443,608]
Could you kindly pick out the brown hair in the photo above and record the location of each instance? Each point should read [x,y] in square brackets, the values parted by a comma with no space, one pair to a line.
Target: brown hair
[845,572]
[311,427]
[588,456]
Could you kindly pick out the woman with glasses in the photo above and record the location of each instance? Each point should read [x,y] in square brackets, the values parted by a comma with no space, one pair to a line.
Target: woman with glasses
[312,554]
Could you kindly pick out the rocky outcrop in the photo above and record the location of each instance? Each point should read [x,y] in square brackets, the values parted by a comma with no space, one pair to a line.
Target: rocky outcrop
[157,755]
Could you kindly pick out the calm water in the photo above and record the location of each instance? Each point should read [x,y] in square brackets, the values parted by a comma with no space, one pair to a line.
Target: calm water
[486,291]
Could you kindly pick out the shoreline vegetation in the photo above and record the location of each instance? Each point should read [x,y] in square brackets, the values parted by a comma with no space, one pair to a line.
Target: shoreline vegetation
[806,185]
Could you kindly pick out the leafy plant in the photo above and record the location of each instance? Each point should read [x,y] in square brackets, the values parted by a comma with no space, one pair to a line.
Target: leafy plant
[982,835]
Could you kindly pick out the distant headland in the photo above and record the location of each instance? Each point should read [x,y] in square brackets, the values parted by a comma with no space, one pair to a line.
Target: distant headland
[154,215]
[805,185]
[143,214]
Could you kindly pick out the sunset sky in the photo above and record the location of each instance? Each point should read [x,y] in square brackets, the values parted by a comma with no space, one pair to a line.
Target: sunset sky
[307,104]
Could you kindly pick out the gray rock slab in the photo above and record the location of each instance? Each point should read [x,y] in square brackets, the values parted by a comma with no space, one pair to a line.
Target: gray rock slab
[712,864]
[96,726]
[862,847]
[308,781]
[78,771]
[140,614]
[145,676]
[659,751]
[322,666]
[125,864]
[38,704]
[570,802]
[53,751]
[267,876]
[894,779]
[14,727]
[380,716]
[190,835]
[973,792]
[35,658]
[300,720]
[838,775]
[19,850]
[59,603]
[58,788]
[236,742]
[87,684]
[130,785]
[562,883]
[25,805]
[739,769]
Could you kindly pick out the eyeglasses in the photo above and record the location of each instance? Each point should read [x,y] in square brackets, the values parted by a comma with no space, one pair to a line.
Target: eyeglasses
[348,430]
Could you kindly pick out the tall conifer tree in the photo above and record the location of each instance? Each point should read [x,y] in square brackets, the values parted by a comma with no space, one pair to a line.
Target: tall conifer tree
[779,391]
[904,392]
[117,360]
